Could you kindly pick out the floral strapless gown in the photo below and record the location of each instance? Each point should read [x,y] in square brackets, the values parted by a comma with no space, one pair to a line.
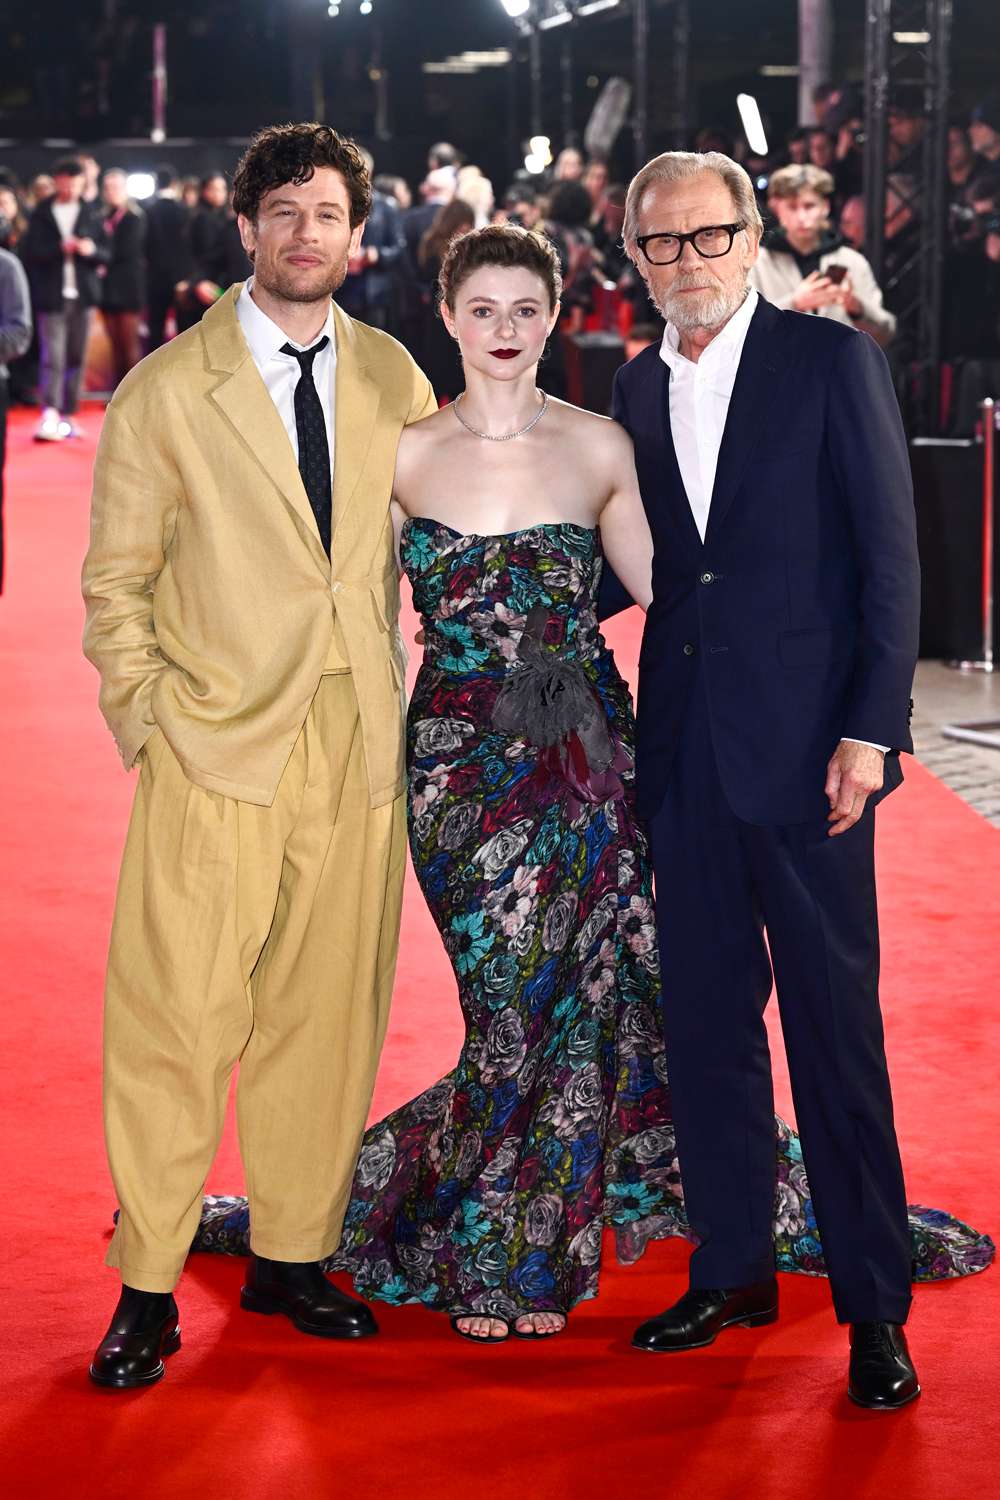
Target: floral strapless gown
[489,1192]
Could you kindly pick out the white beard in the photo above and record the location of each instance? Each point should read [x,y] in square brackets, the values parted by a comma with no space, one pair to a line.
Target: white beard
[715,308]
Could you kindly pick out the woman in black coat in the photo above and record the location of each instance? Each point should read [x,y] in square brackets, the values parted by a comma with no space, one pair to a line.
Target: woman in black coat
[124,289]
[210,241]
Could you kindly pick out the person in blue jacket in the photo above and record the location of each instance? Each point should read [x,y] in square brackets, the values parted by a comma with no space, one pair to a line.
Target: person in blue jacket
[774,701]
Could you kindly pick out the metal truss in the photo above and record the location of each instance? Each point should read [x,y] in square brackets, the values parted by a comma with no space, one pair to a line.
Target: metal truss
[906,61]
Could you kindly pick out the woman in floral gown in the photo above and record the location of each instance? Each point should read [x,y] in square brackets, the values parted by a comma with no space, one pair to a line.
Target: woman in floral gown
[486,1196]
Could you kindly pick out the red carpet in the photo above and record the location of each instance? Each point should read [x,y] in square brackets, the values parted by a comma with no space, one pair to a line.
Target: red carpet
[252,1409]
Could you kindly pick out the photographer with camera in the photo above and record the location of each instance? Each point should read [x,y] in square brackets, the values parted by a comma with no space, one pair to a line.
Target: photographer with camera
[804,264]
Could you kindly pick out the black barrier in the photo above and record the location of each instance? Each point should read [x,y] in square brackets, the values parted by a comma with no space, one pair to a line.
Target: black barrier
[948,493]
[591,362]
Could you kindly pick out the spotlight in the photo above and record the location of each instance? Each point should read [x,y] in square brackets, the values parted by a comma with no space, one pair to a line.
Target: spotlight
[366,7]
[753,125]
[515,8]
[140,184]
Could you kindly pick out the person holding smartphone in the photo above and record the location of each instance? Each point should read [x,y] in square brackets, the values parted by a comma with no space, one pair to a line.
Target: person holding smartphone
[805,265]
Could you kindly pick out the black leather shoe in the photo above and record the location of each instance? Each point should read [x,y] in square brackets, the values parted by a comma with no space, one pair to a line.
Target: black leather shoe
[303,1293]
[700,1316]
[143,1330]
[882,1374]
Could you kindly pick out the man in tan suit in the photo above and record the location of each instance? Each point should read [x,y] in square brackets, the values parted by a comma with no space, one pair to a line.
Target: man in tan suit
[242,596]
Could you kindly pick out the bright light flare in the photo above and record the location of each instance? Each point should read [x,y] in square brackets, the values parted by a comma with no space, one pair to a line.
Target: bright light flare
[753,125]
[140,185]
[515,8]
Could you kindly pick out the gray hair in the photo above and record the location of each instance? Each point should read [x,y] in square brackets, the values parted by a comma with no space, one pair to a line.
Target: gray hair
[677,166]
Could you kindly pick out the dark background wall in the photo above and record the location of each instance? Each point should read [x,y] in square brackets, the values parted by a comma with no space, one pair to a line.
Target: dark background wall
[80,70]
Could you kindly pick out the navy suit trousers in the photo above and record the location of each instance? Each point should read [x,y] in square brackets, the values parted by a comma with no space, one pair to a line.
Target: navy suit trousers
[720,883]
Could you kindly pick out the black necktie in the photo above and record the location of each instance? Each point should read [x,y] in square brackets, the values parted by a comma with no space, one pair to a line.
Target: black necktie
[314,450]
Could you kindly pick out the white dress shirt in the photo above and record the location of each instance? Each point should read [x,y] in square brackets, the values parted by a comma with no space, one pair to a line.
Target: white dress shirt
[700,393]
[281,372]
[699,404]
[66,215]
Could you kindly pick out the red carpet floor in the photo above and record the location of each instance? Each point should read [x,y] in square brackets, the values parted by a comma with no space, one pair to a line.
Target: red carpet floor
[252,1409]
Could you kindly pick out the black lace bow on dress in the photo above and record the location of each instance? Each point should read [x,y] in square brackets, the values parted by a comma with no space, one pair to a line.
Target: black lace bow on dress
[548,701]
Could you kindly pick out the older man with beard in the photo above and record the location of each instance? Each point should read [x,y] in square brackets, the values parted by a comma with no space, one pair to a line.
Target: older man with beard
[774,698]
[242,594]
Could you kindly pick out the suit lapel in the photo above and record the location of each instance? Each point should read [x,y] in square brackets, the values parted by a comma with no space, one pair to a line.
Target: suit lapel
[357,404]
[753,391]
[243,399]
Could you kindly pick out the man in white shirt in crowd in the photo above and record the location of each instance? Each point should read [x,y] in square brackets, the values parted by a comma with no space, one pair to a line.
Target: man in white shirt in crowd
[64,248]
[805,264]
[774,682]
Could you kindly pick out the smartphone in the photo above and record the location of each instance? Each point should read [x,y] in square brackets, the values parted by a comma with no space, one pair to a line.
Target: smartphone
[836,273]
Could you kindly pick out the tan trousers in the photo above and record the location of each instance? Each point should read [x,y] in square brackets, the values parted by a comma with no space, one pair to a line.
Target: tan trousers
[264,935]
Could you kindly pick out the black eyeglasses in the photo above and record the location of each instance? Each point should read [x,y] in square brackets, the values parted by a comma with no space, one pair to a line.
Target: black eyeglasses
[710,242]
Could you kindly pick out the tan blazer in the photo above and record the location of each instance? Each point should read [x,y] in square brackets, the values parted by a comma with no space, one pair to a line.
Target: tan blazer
[212,609]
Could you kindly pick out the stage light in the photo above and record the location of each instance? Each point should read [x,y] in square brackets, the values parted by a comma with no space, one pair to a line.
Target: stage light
[559,18]
[140,184]
[753,125]
[539,154]
[515,8]
[366,7]
[593,6]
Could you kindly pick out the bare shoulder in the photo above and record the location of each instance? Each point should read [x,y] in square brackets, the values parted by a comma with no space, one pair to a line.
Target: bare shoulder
[420,445]
[586,426]
[417,437]
[601,437]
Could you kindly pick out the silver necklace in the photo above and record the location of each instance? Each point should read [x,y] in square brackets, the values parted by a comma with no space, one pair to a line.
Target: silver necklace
[504,437]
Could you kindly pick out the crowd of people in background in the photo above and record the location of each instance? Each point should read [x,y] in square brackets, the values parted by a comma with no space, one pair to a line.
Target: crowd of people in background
[152,267]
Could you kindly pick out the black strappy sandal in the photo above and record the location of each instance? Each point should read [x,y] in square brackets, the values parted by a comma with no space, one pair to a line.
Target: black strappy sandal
[480,1338]
[534,1334]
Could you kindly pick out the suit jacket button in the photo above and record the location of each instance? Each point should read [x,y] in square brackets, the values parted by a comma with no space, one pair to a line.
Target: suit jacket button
[688,649]
[708,577]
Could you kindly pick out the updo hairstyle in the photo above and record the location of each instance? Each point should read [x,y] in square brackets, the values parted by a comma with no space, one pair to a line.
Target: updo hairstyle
[499,245]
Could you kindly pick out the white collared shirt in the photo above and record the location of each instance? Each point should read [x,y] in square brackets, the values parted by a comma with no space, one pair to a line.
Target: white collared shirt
[66,215]
[281,372]
[699,404]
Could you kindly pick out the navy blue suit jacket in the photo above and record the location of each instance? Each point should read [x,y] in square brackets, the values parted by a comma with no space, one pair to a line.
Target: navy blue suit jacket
[801,608]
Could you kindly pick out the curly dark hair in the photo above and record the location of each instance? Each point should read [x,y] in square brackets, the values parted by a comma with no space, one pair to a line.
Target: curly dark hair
[499,245]
[570,205]
[291,153]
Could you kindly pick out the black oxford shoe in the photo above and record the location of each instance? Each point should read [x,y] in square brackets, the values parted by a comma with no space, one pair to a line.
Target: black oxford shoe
[302,1293]
[143,1330]
[882,1375]
[700,1316]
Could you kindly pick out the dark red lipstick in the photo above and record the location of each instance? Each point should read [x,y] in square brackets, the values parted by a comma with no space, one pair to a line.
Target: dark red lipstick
[505,353]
